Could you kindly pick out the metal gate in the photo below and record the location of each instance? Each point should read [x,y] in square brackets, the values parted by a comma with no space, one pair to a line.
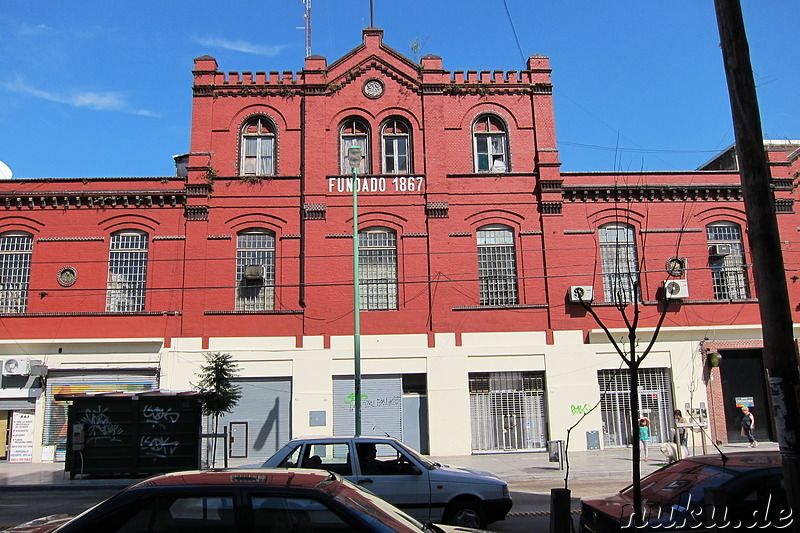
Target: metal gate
[508,411]
[381,405]
[655,402]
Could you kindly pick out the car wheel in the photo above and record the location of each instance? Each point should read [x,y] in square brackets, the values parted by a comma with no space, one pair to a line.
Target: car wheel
[466,513]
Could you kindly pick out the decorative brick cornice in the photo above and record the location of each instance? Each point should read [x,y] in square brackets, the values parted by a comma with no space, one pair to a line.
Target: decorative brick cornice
[437,209]
[219,237]
[653,193]
[413,235]
[69,239]
[91,199]
[169,238]
[314,211]
[784,205]
[550,208]
[196,212]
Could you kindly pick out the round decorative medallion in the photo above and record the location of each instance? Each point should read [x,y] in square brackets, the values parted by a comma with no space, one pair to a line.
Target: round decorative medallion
[676,266]
[373,88]
[67,276]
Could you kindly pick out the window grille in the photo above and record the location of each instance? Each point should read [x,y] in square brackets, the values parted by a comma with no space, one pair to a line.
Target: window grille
[377,269]
[354,132]
[258,148]
[127,272]
[489,139]
[15,271]
[728,273]
[619,263]
[395,147]
[508,411]
[655,402]
[497,268]
[255,248]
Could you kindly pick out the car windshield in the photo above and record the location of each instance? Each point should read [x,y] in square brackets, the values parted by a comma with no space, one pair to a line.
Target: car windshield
[681,483]
[427,463]
[370,506]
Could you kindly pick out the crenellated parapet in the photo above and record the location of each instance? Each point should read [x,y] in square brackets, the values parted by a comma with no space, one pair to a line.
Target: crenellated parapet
[317,77]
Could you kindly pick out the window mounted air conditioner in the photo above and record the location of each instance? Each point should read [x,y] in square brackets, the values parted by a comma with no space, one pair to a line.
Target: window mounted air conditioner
[16,366]
[676,289]
[253,272]
[719,250]
[581,292]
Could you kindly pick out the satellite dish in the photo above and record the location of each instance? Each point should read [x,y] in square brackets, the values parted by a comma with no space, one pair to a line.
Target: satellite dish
[5,172]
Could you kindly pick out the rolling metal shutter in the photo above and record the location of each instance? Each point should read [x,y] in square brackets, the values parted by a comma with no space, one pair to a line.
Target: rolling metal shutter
[381,406]
[58,382]
[265,406]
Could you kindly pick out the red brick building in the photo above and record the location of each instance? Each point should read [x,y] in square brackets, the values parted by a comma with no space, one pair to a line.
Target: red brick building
[471,241]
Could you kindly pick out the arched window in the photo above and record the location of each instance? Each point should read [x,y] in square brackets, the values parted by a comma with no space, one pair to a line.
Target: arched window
[497,265]
[726,259]
[619,262]
[490,144]
[354,132]
[15,271]
[396,147]
[377,268]
[127,272]
[258,148]
[255,270]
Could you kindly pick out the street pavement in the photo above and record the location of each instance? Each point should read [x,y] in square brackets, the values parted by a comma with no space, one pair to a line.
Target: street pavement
[590,473]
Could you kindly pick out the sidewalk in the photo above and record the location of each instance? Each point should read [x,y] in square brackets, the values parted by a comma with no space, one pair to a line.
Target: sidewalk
[590,472]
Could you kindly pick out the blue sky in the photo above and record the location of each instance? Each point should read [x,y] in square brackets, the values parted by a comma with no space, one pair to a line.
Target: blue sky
[93,88]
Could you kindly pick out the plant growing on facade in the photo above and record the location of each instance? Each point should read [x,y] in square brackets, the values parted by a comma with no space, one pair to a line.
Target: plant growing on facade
[218,394]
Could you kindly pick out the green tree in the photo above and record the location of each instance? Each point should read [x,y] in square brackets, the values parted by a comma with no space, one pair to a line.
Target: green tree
[218,394]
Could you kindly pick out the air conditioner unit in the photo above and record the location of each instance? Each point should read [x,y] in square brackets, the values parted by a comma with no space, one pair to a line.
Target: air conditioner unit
[676,289]
[253,272]
[16,366]
[719,250]
[578,293]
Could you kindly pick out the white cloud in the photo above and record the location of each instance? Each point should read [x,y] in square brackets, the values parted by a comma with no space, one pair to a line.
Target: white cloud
[98,101]
[241,46]
[39,29]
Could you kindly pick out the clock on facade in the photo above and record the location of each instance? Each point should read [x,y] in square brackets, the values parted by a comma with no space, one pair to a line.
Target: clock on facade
[373,88]
[67,276]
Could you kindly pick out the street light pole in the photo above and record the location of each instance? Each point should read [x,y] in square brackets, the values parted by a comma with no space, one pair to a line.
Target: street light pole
[354,157]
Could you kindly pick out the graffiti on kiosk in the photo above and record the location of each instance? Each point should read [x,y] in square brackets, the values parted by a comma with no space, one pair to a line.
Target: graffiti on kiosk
[158,416]
[580,409]
[99,427]
[157,447]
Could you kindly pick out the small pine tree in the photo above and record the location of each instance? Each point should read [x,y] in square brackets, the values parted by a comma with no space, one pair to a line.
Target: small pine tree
[218,395]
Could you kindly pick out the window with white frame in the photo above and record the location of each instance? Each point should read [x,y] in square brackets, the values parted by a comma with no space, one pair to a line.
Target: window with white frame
[127,272]
[490,144]
[255,270]
[396,146]
[619,263]
[258,148]
[726,260]
[354,132]
[377,268]
[497,266]
[15,271]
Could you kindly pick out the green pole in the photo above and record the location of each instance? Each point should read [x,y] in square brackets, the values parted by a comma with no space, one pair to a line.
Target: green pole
[356,309]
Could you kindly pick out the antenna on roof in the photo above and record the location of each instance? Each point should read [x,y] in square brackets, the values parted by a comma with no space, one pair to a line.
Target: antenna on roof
[371,15]
[307,17]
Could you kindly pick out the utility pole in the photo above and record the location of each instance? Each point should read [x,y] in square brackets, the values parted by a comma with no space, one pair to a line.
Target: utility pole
[780,353]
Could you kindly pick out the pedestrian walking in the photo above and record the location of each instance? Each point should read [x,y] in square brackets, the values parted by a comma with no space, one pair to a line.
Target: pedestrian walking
[644,436]
[681,435]
[748,425]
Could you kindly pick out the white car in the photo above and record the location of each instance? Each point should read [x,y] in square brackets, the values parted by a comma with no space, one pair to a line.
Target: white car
[426,490]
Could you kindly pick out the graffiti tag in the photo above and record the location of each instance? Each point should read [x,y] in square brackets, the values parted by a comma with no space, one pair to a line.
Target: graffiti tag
[159,416]
[100,427]
[157,447]
[580,409]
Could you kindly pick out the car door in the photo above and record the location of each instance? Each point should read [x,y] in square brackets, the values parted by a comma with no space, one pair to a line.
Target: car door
[393,476]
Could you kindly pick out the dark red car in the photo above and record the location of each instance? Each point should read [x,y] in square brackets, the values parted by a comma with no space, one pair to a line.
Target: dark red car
[748,488]
[238,501]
